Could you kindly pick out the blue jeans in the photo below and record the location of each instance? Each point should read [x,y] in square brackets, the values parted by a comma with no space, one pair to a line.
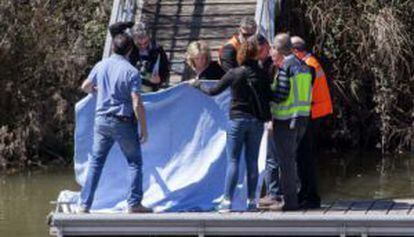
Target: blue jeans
[108,130]
[241,132]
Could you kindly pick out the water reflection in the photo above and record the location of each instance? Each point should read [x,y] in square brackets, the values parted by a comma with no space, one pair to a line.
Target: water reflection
[366,176]
[24,198]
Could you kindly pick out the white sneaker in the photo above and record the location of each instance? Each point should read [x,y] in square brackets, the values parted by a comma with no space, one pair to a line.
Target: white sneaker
[224,206]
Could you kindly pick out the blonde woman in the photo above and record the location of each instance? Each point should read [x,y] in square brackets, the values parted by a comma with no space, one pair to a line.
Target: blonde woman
[198,57]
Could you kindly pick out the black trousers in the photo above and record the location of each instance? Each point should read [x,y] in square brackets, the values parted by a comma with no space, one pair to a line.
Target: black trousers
[306,161]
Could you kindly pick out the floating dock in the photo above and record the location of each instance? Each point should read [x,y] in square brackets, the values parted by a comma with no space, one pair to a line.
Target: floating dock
[339,218]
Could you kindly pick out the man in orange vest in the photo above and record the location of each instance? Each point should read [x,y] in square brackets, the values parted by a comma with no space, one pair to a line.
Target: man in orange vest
[228,52]
[320,108]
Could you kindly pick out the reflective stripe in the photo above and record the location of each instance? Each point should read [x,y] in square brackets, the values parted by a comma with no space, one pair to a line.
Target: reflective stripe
[300,113]
[299,100]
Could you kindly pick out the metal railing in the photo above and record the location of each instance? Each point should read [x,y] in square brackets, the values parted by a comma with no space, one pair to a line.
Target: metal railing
[122,10]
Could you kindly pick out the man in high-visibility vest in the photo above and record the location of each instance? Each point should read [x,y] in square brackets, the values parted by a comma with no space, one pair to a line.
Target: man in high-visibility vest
[321,107]
[292,92]
[228,52]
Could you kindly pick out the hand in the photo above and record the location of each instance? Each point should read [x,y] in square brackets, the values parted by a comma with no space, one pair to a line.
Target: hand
[155,79]
[191,82]
[194,83]
[143,137]
[269,127]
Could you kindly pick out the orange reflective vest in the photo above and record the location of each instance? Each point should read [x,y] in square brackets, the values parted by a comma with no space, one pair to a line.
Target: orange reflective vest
[321,98]
[234,41]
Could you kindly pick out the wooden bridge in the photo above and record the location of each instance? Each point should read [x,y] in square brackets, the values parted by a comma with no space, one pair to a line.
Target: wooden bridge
[176,23]
[339,218]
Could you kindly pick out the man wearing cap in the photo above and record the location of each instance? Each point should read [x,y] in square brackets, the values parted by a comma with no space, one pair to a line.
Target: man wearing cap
[321,107]
[118,107]
[228,52]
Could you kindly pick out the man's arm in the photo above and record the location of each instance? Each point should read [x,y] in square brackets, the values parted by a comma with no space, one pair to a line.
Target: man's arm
[281,86]
[139,112]
[88,86]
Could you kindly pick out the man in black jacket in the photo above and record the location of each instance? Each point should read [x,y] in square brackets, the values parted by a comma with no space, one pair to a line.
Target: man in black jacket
[147,56]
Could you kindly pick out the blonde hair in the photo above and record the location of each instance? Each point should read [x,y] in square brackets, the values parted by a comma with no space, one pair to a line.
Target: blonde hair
[195,48]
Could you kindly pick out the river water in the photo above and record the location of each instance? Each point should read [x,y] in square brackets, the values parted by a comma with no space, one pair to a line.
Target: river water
[25,198]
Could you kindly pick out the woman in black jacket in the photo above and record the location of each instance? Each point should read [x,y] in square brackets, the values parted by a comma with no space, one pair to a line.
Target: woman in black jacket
[250,108]
[198,57]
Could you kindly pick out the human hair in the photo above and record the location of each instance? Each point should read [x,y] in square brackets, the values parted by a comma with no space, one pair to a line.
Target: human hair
[195,48]
[282,43]
[121,44]
[247,51]
[248,22]
[140,30]
[298,43]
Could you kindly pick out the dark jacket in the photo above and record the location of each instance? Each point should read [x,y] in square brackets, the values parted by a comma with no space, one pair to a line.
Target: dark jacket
[228,54]
[212,72]
[145,64]
[250,91]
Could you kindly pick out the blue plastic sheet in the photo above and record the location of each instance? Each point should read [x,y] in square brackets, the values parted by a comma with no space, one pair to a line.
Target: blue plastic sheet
[184,160]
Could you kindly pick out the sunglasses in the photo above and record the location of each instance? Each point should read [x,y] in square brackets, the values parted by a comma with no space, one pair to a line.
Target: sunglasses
[246,35]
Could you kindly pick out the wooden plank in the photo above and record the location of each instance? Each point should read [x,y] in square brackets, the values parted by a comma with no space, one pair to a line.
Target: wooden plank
[205,14]
[190,19]
[194,34]
[181,45]
[339,207]
[201,37]
[324,207]
[380,207]
[180,55]
[199,26]
[191,3]
[169,2]
[360,207]
[199,9]
[401,207]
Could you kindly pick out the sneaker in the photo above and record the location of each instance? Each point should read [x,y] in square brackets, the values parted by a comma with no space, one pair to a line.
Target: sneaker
[224,206]
[252,206]
[267,201]
[139,209]
[82,210]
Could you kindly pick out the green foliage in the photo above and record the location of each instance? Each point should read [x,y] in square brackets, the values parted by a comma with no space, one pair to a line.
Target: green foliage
[367,48]
[46,49]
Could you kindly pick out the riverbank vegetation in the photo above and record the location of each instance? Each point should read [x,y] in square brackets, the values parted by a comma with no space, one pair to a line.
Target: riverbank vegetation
[48,46]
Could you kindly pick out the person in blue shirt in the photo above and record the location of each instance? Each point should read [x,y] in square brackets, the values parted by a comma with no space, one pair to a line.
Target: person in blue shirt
[119,106]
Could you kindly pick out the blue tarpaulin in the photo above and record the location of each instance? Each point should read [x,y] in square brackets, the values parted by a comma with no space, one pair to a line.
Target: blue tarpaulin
[184,159]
